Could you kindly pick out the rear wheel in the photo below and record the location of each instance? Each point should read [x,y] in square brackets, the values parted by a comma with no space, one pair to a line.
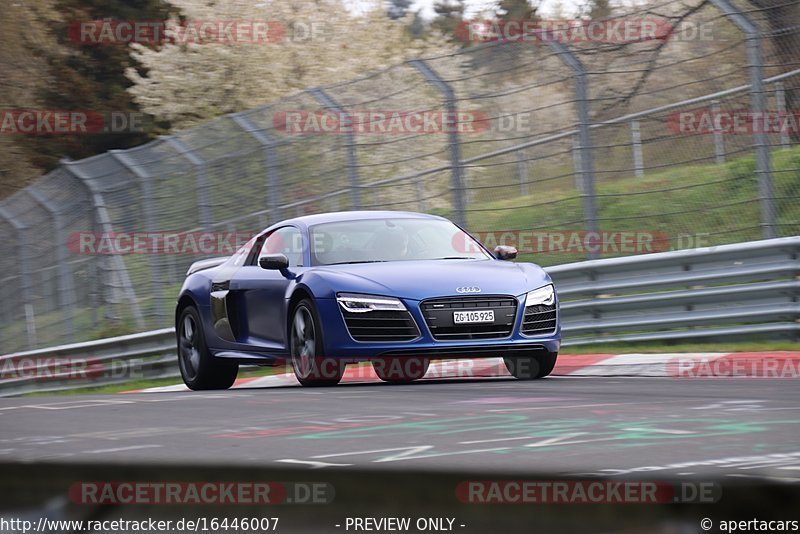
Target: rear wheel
[199,369]
[400,370]
[531,366]
[305,346]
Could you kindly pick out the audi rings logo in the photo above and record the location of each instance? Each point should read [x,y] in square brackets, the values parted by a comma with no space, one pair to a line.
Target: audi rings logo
[468,289]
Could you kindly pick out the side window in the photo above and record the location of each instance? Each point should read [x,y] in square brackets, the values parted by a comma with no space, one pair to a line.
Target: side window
[287,240]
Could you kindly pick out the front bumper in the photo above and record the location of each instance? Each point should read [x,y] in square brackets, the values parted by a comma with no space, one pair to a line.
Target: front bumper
[339,343]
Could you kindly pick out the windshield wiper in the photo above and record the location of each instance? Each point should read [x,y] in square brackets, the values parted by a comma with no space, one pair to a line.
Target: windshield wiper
[457,258]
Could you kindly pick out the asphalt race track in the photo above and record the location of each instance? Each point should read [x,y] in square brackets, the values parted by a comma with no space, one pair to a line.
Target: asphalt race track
[574,426]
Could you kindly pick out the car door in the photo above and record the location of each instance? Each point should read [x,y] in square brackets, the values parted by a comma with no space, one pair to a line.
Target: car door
[262,292]
[224,306]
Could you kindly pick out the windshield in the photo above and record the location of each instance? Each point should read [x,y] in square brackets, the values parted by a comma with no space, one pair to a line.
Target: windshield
[375,240]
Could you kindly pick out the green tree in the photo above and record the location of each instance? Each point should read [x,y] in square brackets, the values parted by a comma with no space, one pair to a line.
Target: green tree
[449,16]
[189,84]
[396,9]
[599,9]
[516,10]
[90,77]
[25,73]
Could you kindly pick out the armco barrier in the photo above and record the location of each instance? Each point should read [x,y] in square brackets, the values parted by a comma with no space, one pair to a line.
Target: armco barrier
[741,290]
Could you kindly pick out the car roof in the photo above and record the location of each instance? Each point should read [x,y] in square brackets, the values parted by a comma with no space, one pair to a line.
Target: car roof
[340,216]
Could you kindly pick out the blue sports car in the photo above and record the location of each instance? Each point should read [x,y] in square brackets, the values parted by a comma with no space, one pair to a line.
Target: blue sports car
[394,288]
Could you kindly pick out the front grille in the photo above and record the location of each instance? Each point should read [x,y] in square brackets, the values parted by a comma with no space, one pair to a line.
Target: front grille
[438,315]
[381,326]
[539,319]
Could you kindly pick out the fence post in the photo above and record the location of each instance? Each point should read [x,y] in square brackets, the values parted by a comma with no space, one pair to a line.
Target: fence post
[454,146]
[638,157]
[156,274]
[66,288]
[780,105]
[201,167]
[719,137]
[24,270]
[576,162]
[522,171]
[755,66]
[352,161]
[584,137]
[270,148]
[104,223]
[419,188]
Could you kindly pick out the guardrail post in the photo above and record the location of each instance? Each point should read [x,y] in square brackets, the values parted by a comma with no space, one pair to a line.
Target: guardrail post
[25,273]
[636,140]
[201,168]
[156,275]
[584,137]
[719,138]
[454,146]
[104,222]
[780,105]
[66,288]
[269,147]
[352,161]
[755,66]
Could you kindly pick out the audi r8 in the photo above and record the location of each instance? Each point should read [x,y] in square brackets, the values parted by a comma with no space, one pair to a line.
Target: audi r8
[397,289]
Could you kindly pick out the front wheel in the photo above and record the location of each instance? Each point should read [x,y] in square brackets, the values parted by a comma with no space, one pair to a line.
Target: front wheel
[199,369]
[531,366]
[305,345]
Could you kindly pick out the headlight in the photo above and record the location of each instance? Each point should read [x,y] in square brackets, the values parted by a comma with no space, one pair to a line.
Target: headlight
[544,295]
[368,303]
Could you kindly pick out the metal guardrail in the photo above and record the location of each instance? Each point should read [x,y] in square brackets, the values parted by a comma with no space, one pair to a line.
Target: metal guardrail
[741,290]
[115,360]
[710,293]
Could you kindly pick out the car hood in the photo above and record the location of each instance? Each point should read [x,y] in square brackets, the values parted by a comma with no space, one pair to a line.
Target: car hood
[424,279]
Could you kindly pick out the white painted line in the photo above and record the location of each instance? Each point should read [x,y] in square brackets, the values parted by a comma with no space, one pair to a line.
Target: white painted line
[659,431]
[71,405]
[558,440]
[121,449]
[494,440]
[312,464]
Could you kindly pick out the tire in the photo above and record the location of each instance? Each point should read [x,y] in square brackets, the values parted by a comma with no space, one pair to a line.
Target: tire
[531,366]
[199,369]
[400,370]
[306,349]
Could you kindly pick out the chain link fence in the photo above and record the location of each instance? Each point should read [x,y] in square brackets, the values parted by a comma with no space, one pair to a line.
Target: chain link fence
[568,148]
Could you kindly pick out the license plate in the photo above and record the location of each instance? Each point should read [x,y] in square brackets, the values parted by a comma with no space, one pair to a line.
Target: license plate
[476,316]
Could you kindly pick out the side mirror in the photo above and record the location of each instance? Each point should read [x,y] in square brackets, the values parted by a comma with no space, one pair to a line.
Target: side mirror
[273,261]
[504,252]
